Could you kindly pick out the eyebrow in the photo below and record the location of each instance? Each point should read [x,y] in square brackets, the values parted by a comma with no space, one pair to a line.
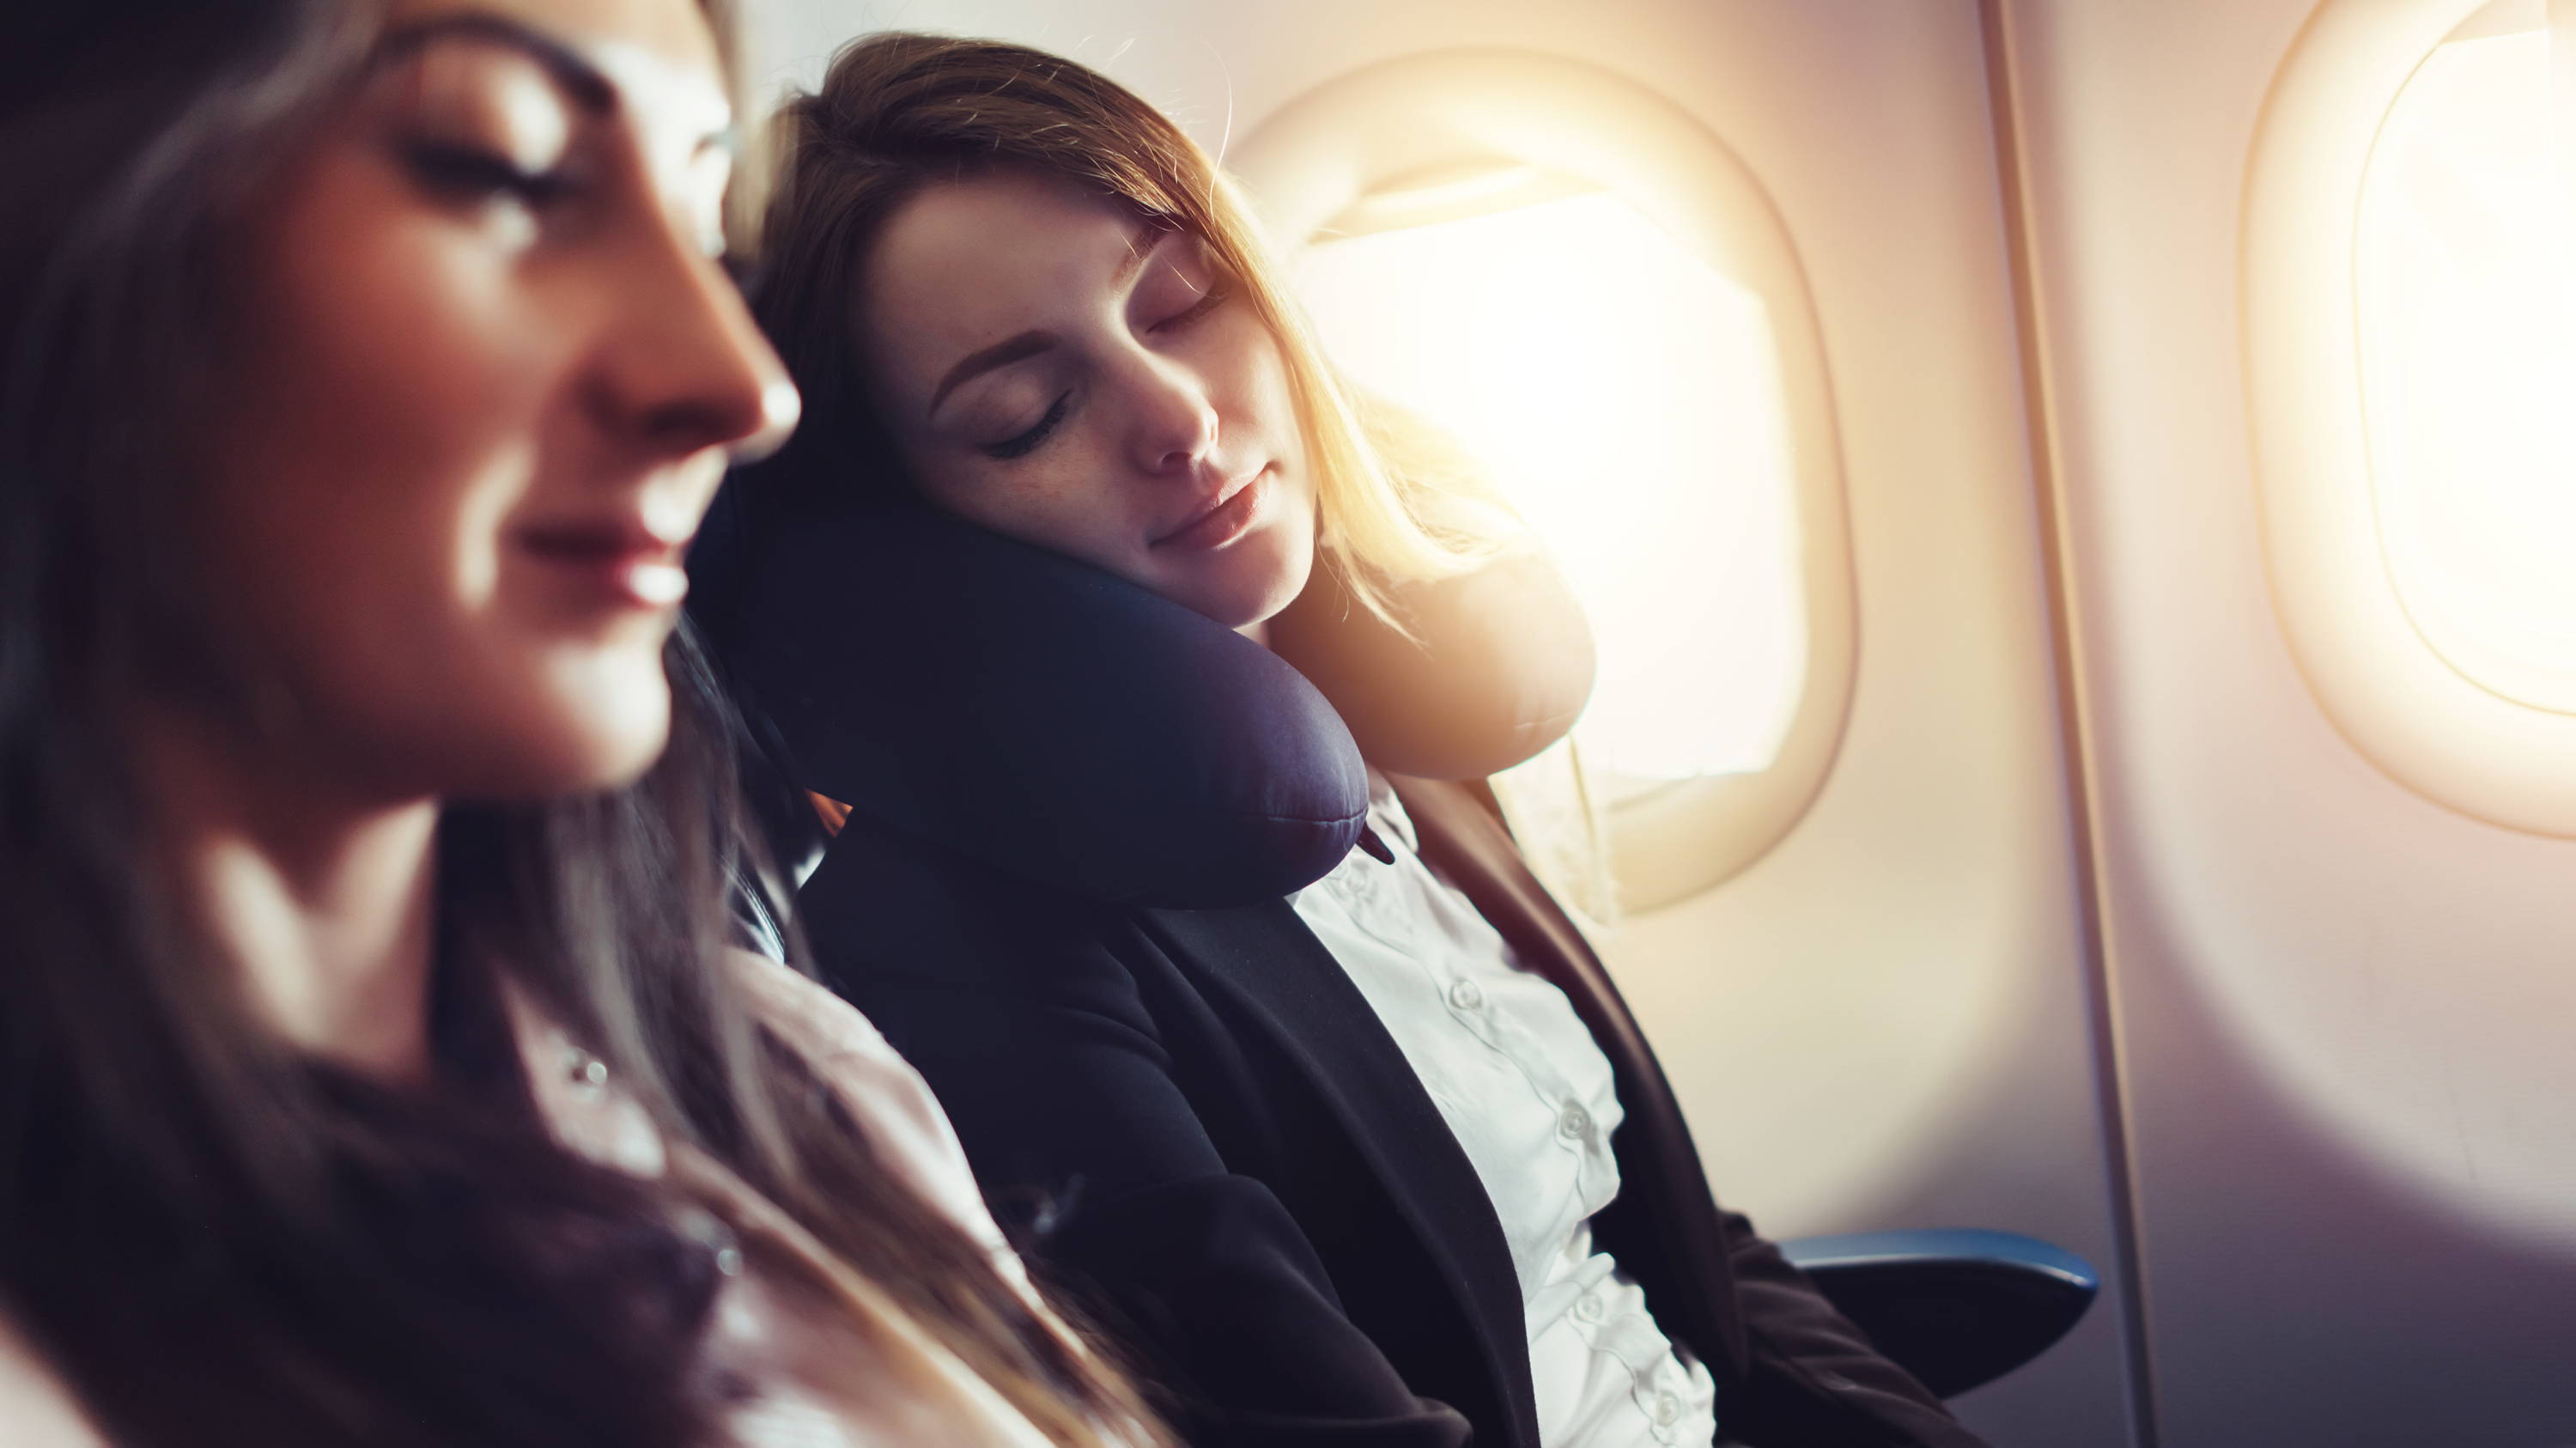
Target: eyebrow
[1029,344]
[586,85]
[1000,354]
[1140,247]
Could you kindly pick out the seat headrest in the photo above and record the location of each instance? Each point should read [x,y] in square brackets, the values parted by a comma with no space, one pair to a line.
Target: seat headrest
[1029,710]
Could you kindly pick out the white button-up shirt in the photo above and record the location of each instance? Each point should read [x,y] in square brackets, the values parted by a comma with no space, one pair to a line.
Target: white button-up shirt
[1529,1095]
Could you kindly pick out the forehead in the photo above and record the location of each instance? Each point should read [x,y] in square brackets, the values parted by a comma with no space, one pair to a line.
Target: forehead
[661,55]
[967,263]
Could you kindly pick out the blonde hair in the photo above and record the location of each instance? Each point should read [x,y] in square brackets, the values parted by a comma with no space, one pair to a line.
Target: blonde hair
[899,111]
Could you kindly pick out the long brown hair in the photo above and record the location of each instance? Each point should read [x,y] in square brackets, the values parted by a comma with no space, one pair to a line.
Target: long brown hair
[213,1238]
[898,112]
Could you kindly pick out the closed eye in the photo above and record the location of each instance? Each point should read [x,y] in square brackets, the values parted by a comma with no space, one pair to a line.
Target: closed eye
[470,173]
[1214,299]
[1027,442]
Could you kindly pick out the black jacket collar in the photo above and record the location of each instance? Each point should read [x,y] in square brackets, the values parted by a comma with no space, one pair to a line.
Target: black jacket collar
[1318,1017]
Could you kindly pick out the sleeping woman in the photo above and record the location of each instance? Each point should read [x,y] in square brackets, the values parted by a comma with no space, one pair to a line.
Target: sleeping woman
[1376,1157]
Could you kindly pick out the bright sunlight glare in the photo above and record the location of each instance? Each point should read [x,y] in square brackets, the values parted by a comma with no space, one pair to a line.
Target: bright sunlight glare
[2465,265]
[1629,401]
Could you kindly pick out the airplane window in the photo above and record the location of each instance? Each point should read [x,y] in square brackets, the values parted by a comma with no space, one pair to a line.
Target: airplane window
[1629,400]
[1579,281]
[2409,294]
[2465,272]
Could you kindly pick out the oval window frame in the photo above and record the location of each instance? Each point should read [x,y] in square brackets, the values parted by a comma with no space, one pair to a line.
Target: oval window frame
[1327,149]
[2385,685]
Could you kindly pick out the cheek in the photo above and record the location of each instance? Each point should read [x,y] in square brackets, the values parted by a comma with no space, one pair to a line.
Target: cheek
[1065,499]
[1254,373]
[395,396]
[393,376]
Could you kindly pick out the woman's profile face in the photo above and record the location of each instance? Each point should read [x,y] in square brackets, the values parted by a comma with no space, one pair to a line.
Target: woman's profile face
[1057,371]
[484,372]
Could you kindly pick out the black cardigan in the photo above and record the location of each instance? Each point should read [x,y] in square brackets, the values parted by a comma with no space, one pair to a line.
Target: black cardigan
[1229,1158]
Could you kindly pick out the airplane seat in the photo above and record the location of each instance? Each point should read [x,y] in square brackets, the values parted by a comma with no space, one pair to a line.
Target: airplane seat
[1956,1308]
[1105,741]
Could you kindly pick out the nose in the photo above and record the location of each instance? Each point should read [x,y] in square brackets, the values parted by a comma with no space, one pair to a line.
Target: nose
[1175,423]
[688,369]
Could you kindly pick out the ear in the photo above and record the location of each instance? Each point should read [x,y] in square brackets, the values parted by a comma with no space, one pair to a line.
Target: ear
[1488,669]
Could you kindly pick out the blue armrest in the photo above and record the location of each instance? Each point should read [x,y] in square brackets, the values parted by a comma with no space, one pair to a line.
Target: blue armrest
[1954,1308]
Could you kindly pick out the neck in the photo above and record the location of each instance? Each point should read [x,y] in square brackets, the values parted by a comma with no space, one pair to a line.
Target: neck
[322,897]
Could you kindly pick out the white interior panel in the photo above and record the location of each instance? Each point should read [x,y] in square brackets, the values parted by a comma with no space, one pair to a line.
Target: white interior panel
[2343,1007]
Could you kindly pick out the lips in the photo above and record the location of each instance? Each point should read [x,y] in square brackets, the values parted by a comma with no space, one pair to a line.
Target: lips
[622,558]
[1224,518]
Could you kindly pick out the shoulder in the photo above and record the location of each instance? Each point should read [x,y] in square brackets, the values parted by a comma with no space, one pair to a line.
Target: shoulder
[883,1094]
[804,1013]
[887,903]
[926,939]
[34,1403]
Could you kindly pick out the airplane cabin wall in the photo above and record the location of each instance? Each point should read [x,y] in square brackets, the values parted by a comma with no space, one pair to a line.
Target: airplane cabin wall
[1886,1020]
[2343,1009]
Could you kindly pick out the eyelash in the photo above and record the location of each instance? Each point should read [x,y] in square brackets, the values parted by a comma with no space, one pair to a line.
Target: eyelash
[1215,298]
[1027,442]
[470,172]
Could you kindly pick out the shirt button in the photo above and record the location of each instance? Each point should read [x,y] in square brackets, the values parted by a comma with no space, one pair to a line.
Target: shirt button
[1573,1123]
[1466,995]
[1588,1308]
[1668,1409]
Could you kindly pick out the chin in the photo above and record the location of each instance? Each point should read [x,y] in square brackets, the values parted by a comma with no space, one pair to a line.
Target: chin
[595,732]
[619,736]
[1251,582]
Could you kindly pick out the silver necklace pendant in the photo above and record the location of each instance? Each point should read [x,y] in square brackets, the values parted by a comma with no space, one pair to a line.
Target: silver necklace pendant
[583,1069]
[709,1231]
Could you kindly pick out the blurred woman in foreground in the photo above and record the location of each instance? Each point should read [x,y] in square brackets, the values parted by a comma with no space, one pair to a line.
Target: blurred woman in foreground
[373,1068]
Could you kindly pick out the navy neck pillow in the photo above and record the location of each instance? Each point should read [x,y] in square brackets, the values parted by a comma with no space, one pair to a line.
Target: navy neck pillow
[1080,731]
[1490,667]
